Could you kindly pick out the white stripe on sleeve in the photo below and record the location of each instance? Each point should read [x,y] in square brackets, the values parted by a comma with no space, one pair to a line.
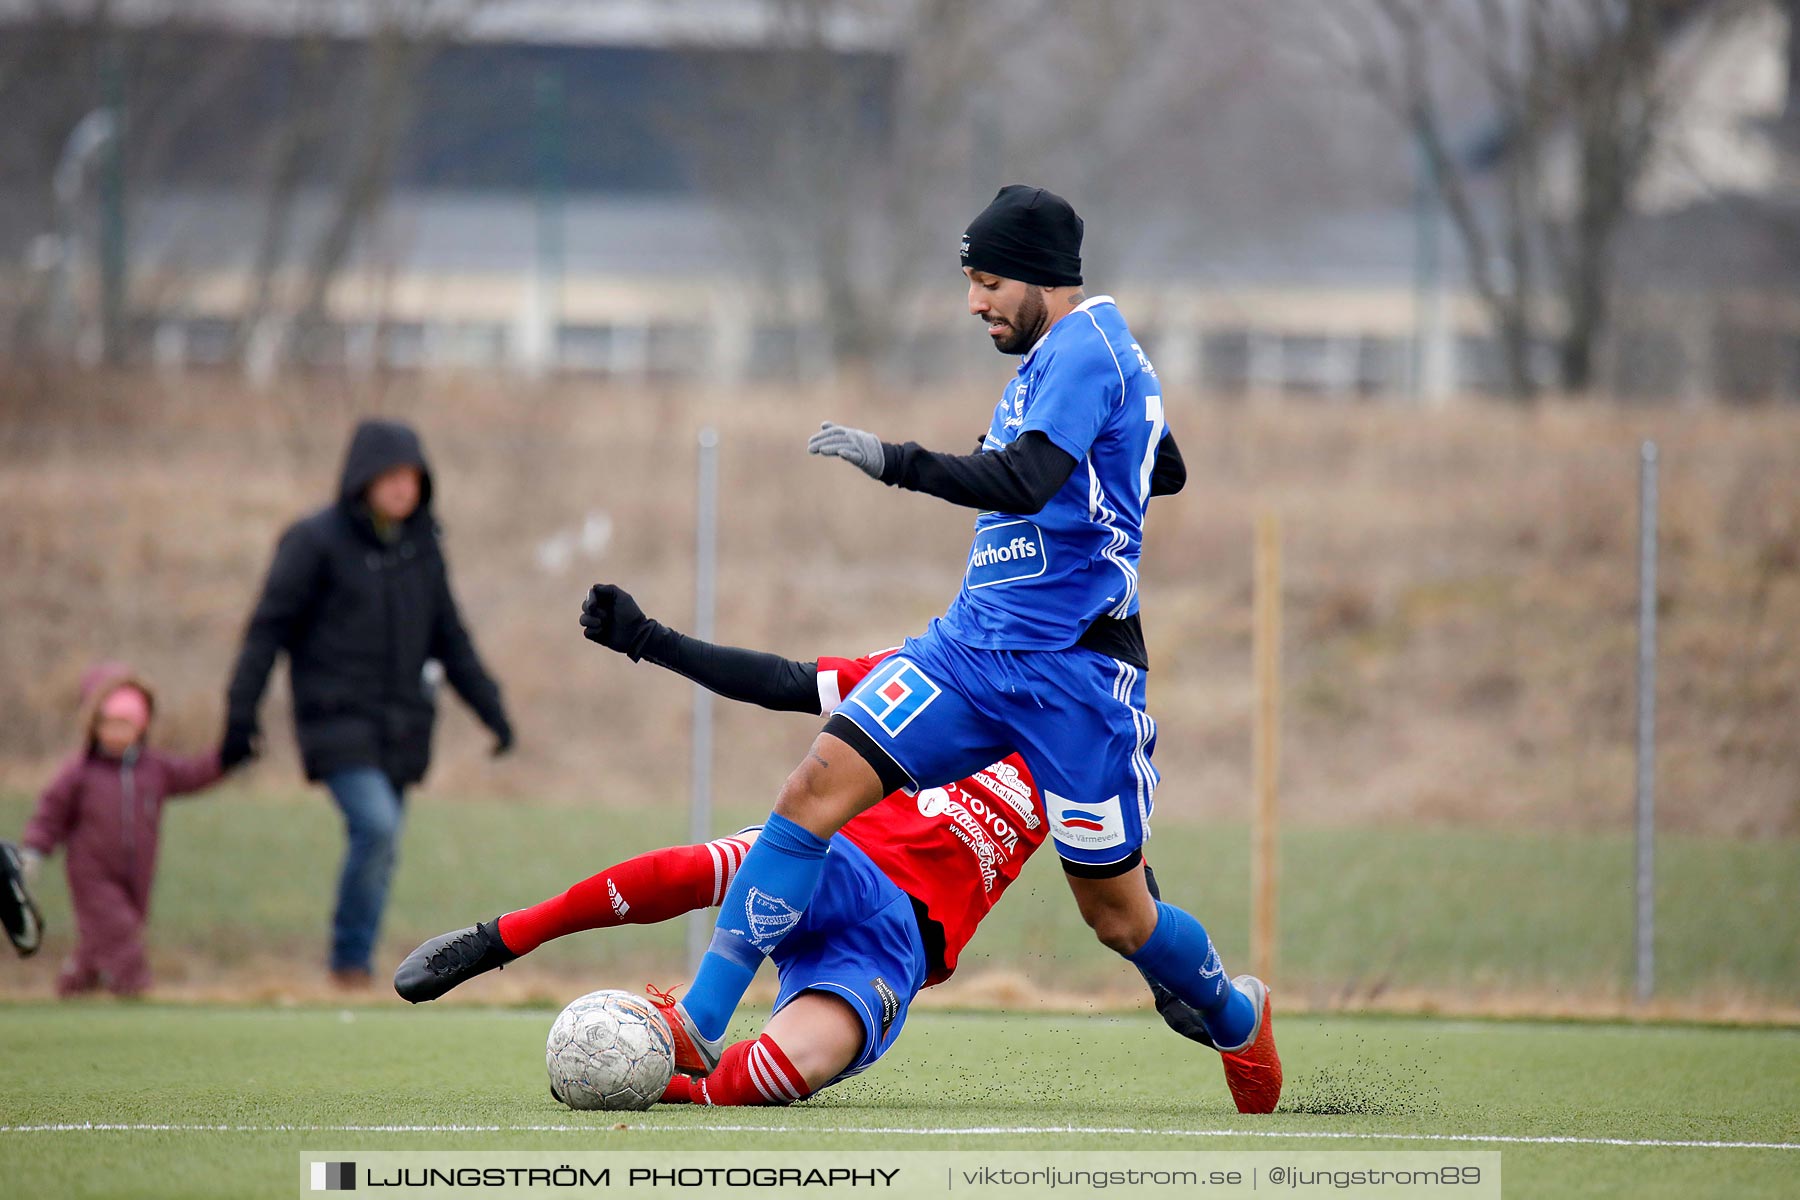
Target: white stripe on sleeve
[830,692]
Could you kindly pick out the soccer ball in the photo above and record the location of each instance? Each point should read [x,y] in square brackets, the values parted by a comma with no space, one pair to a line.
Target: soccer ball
[609,1049]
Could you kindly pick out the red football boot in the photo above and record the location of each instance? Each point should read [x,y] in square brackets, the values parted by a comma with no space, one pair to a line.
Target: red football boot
[1253,1070]
[694,1055]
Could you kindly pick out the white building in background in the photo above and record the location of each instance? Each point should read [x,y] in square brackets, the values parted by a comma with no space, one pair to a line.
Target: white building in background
[619,269]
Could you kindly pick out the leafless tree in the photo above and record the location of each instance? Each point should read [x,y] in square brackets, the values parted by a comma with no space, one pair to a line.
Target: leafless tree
[61,62]
[845,193]
[1577,94]
[813,145]
[1114,95]
[381,104]
[293,151]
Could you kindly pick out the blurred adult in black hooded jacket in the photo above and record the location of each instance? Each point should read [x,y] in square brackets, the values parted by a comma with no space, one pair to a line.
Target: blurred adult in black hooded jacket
[359,598]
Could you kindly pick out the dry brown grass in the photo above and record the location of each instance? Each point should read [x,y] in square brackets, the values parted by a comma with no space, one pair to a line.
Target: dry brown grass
[194,979]
[1460,608]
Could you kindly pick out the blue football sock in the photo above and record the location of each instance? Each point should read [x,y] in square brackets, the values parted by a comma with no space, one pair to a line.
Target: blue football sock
[764,902]
[1180,956]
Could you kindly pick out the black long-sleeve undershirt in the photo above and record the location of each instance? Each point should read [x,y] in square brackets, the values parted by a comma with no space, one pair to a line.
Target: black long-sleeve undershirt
[1168,474]
[750,676]
[1020,479]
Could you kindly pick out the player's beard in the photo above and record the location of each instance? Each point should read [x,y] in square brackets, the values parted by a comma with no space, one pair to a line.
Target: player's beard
[1024,327]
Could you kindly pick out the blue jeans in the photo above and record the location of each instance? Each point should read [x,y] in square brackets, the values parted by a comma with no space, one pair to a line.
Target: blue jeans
[372,808]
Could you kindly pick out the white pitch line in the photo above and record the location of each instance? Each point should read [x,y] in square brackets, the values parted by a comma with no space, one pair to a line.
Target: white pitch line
[977,1131]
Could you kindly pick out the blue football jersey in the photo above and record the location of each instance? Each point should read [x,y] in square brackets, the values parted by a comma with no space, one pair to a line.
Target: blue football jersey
[1037,582]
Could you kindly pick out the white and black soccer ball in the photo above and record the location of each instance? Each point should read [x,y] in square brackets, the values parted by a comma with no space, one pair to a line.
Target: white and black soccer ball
[611,1050]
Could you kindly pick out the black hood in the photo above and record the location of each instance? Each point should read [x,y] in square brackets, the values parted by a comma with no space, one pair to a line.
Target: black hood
[375,447]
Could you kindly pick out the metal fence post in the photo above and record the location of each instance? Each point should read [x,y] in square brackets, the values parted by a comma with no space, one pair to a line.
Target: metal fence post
[706,529]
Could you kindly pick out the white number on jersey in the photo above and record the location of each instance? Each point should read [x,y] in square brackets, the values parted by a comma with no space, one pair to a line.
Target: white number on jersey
[1153,413]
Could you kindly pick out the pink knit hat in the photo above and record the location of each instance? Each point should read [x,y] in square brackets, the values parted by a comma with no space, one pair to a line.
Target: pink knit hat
[127,702]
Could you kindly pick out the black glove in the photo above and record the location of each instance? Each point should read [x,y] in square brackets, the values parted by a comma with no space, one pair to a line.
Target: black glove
[238,745]
[613,619]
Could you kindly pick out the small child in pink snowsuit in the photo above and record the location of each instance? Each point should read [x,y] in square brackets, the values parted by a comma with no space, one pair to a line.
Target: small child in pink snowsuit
[105,805]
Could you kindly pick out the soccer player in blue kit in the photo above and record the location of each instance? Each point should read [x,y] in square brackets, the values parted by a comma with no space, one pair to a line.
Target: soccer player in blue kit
[1041,653]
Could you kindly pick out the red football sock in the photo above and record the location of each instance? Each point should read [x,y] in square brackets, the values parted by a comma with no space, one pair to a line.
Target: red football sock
[748,1073]
[639,891]
[681,1090]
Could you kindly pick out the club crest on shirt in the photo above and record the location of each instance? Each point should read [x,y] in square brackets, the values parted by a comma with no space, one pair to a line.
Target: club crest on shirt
[1014,406]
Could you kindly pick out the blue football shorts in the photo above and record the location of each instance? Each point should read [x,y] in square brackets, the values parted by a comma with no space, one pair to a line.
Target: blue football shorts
[858,940]
[941,710]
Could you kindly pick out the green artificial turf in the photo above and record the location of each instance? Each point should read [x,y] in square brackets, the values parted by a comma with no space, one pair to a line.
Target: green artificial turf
[1039,1081]
[1363,910]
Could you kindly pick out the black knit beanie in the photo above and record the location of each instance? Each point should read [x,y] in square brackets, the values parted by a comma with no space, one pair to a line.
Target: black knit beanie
[1027,234]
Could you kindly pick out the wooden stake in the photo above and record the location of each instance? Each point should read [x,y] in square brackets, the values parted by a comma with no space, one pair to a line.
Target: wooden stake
[1266,649]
